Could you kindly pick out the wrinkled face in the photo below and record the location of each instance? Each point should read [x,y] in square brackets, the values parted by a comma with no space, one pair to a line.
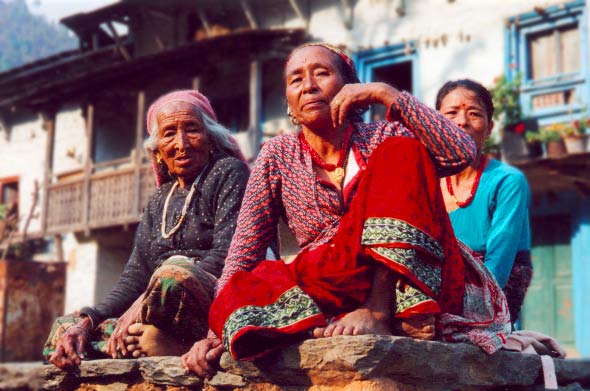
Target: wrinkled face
[183,143]
[464,108]
[312,79]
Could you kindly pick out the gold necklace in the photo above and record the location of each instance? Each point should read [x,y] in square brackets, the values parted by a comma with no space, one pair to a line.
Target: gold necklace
[187,202]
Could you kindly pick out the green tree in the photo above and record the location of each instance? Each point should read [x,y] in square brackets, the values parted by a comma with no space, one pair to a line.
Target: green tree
[25,37]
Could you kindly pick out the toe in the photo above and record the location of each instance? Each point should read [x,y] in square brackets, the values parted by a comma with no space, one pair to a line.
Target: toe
[135,329]
[318,332]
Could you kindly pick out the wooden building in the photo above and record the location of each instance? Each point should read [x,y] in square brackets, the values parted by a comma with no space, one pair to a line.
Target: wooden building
[75,121]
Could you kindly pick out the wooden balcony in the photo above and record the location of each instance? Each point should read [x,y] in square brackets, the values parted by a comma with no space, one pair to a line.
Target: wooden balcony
[103,199]
[568,173]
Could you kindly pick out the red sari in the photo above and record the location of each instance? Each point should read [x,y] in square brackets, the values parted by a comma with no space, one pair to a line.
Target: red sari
[397,218]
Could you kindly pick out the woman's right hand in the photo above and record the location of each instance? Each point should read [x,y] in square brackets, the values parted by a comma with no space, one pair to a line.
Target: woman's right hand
[71,347]
[360,94]
[203,357]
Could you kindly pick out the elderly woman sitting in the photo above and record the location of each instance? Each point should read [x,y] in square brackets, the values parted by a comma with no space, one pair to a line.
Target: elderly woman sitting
[163,296]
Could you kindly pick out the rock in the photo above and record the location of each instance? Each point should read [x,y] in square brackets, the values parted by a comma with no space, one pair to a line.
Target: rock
[224,379]
[21,376]
[338,361]
[167,370]
[572,370]
[368,363]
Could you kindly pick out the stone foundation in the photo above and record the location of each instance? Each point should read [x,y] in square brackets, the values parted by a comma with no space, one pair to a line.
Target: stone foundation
[368,363]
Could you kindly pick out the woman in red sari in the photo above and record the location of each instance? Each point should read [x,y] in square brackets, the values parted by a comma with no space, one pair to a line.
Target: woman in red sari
[378,251]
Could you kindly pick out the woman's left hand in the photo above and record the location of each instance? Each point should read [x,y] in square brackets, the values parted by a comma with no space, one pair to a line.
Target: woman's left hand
[360,94]
[116,342]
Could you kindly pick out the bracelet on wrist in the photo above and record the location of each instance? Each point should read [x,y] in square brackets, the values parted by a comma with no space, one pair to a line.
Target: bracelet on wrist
[77,326]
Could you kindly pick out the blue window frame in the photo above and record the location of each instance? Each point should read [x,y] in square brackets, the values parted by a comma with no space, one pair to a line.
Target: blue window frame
[549,48]
[394,64]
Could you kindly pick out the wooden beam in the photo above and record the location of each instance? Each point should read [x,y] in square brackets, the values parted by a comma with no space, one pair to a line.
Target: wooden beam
[298,12]
[120,46]
[249,14]
[347,9]
[139,129]
[196,83]
[205,22]
[59,248]
[4,124]
[48,121]
[255,105]
[154,30]
[88,167]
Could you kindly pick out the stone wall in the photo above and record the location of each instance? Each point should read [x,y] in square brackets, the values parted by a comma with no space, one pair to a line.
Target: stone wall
[371,363]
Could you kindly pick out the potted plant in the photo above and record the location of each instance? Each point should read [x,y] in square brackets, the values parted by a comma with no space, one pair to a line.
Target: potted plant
[575,136]
[551,136]
[508,115]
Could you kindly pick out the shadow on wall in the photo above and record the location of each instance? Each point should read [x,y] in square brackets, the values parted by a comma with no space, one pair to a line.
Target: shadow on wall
[31,297]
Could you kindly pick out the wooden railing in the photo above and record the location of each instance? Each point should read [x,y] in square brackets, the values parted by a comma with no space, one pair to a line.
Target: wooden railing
[109,198]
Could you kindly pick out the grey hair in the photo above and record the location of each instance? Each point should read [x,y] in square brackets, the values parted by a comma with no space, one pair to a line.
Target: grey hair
[219,134]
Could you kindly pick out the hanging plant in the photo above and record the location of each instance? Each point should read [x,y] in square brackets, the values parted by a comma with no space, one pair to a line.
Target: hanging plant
[506,98]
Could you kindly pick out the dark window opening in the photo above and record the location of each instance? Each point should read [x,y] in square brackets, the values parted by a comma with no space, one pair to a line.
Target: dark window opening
[398,75]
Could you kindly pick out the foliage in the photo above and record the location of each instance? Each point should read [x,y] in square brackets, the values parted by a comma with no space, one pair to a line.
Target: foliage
[25,37]
[553,132]
[506,98]
[491,144]
[577,127]
[3,211]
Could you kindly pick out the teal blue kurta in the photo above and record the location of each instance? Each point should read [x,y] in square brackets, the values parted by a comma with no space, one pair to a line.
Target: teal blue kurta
[496,223]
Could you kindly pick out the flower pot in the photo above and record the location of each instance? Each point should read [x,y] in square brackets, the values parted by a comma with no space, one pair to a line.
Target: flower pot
[555,149]
[535,149]
[577,143]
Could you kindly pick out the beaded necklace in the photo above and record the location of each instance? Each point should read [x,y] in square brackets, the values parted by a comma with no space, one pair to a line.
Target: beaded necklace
[187,202]
[335,171]
[463,204]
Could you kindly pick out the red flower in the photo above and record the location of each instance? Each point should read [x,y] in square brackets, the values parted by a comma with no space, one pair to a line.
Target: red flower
[576,124]
[520,128]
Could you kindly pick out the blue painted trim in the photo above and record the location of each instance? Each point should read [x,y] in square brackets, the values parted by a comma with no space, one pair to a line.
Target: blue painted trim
[367,60]
[581,277]
[555,11]
[517,36]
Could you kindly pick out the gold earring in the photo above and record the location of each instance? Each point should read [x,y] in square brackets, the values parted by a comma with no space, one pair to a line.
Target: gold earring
[292,118]
[158,159]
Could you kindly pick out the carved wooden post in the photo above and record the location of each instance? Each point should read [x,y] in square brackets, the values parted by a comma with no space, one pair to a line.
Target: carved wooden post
[88,167]
[139,128]
[48,123]
[255,105]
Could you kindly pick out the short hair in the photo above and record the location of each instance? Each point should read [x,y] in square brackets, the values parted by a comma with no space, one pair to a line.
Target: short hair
[479,90]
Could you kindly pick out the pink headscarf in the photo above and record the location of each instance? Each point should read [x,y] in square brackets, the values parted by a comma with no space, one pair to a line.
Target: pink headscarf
[196,99]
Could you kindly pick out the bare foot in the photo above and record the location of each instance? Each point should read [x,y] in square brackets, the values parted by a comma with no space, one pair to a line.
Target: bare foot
[358,322]
[148,340]
[417,327]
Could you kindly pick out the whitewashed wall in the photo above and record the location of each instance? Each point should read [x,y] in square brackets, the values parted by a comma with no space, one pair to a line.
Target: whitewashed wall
[22,151]
[474,32]
[82,258]
[69,150]
[22,154]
